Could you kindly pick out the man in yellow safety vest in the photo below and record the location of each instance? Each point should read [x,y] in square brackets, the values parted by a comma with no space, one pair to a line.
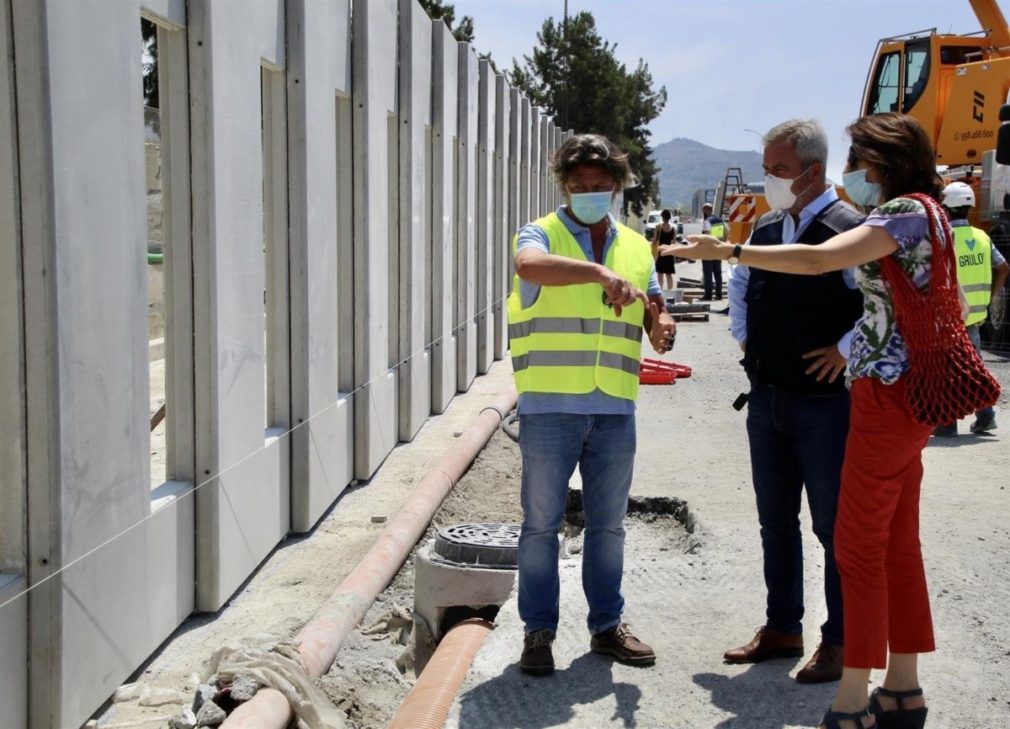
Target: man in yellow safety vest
[981,272]
[576,314]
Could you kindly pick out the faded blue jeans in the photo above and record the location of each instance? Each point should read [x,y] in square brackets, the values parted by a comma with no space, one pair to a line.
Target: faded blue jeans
[552,445]
[976,339]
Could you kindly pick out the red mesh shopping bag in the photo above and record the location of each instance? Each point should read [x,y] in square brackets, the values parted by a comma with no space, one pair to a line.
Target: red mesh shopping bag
[946,379]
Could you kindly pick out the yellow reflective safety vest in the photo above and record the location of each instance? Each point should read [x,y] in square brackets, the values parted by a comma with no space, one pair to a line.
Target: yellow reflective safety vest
[718,230]
[569,341]
[973,249]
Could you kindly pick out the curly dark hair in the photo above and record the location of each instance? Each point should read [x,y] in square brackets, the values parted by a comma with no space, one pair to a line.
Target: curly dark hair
[898,147]
[591,149]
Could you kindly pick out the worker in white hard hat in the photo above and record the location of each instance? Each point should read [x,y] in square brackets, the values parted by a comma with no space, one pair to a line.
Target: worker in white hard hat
[981,272]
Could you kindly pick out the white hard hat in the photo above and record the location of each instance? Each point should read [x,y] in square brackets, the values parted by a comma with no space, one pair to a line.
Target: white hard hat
[958,195]
[707,205]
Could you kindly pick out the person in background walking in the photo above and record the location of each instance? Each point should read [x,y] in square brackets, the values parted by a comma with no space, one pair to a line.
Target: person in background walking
[981,272]
[711,271]
[887,614]
[576,316]
[795,332]
[666,234]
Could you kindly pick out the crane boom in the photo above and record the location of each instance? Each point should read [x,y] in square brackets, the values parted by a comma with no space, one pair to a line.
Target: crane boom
[991,18]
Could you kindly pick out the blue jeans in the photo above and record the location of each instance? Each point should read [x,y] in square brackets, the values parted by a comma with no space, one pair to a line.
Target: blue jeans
[976,339]
[552,444]
[795,441]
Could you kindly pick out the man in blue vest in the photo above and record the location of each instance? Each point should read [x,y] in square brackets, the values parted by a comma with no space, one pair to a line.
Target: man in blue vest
[795,333]
[711,271]
[576,315]
[981,272]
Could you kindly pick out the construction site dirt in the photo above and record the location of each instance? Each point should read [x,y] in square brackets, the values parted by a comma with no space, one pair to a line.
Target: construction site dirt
[693,580]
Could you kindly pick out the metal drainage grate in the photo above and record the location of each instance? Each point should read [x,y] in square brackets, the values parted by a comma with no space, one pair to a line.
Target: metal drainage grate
[484,545]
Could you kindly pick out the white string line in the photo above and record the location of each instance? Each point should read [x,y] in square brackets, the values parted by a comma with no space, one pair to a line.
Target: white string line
[261,449]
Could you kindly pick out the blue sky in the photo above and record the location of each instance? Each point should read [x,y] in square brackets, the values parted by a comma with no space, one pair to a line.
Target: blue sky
[733,65]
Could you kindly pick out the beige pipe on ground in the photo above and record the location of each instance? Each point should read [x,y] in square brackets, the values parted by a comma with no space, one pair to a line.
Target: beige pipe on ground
[427,705]
[320,639]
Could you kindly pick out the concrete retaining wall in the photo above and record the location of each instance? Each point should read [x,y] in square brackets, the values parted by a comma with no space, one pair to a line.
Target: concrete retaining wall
[339,192]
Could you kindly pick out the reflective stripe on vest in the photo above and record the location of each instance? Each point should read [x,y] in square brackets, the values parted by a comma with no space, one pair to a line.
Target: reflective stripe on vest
[569,341]
[974,270]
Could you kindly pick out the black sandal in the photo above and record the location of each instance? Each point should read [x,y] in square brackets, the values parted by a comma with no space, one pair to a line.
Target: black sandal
[831,719]
[900,718]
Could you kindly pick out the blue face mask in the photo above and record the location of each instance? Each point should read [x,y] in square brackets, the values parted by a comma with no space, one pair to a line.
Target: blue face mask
[859,190]
[590,207]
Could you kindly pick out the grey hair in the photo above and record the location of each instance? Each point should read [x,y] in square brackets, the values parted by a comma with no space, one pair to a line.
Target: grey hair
[807,137]
[591,149]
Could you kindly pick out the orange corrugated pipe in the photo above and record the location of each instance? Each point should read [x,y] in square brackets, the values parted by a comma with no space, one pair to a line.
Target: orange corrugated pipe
[320,639]
[427,704]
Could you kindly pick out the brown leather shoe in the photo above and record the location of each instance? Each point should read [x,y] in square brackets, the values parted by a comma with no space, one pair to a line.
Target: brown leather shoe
[825,665]
[620,643]
[767,643]
[537,658]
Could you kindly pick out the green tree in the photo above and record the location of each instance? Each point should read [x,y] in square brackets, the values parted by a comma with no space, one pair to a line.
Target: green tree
[574,76]
[446,12]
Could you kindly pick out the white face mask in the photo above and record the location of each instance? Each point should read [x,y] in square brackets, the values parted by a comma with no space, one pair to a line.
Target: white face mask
[779,193]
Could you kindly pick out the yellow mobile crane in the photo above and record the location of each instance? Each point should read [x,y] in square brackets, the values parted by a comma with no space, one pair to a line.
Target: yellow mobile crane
[953,84]
[957,86]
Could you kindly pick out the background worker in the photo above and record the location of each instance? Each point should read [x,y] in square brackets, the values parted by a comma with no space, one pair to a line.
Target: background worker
[795,332]
[711,271]
[666,267]
[981,272]
[576,316]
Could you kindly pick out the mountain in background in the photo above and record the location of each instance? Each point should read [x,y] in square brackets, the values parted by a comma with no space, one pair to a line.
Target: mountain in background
[686,165]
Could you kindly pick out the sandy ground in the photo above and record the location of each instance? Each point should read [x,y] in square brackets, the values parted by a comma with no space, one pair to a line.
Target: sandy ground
[691,597]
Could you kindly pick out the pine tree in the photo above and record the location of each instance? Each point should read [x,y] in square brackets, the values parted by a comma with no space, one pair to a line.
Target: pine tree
[574,76]
[446,12]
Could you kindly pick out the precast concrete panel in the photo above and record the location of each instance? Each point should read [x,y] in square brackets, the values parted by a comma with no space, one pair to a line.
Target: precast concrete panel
[14,651]
[319,47]
[12,443]
[516,135]
[465,286]
[536,158]
[244,509]
[82,215]
[558,141]
[487,206]
[14,616]
[546,140]
[526,213]
[167,12]
[413,261]
[376,294]
[500,233]
[442,335]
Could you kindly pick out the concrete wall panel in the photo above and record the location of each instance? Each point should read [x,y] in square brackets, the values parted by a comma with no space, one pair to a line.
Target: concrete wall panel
[413,259]
[487,206]
[546,145]
[501,235]
[244,511]
[14,652]
[536,159]
[375,235]
[12,443]
[442,335]
[85,297]
[321,253]
[466,225]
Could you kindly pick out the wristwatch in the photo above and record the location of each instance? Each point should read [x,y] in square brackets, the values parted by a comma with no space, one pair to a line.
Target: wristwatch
[734,257]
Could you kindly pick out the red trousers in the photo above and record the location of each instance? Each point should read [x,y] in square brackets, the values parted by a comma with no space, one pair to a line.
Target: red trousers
[886,603]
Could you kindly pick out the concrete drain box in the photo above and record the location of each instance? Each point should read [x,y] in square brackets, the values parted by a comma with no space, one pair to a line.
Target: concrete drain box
[466,569]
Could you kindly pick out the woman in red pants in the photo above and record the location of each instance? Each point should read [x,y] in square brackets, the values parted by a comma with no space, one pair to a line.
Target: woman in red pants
[886,604]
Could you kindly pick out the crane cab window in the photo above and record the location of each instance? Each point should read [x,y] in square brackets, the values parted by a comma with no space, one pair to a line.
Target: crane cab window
[916,72]
[886,82]
[956,55]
